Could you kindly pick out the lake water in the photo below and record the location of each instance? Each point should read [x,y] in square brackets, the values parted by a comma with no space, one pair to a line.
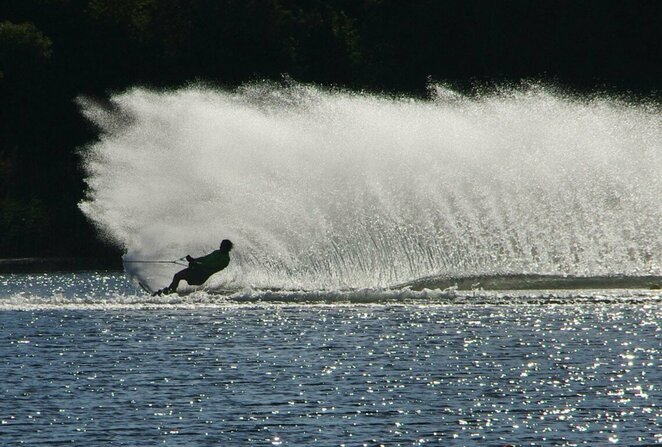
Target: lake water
[87,359]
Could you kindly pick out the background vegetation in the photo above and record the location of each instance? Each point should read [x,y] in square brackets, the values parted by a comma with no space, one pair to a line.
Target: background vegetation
[51,51]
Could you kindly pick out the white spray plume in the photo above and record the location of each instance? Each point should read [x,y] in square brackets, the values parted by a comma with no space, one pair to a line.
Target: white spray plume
[321,189]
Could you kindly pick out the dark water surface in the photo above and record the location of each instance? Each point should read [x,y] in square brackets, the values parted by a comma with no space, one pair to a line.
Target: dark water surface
[331,374]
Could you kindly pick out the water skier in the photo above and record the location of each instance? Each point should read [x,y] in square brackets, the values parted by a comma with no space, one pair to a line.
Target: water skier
[200,269]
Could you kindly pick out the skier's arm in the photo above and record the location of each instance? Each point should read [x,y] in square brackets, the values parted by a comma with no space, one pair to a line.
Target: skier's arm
[192,261]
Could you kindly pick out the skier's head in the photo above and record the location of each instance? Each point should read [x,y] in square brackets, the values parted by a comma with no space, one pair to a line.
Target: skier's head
[226,245]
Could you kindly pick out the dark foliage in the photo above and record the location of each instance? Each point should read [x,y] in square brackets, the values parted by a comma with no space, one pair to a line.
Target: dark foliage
[51,51]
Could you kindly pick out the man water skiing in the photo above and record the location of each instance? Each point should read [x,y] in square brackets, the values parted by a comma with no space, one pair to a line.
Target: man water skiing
[200,269]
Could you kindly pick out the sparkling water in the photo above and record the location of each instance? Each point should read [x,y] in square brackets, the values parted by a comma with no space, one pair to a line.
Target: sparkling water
[88,359]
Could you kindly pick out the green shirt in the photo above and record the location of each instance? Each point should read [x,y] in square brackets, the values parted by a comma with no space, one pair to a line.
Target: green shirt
[213,262]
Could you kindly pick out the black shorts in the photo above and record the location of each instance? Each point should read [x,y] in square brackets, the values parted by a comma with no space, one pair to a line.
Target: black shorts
[196,277]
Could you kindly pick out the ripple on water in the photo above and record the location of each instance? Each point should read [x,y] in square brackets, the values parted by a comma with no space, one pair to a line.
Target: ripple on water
[104,290]
[353,374]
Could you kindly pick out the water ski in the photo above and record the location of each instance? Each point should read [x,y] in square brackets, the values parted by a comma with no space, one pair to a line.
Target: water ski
[145,288]
[164,291]
[161,292]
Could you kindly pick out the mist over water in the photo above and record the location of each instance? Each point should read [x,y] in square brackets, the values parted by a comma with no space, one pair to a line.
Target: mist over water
[334,189]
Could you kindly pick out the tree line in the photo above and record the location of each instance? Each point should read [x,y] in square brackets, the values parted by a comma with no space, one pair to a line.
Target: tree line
[52,51]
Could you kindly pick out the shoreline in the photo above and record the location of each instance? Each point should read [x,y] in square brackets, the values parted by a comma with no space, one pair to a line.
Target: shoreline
[49,265]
